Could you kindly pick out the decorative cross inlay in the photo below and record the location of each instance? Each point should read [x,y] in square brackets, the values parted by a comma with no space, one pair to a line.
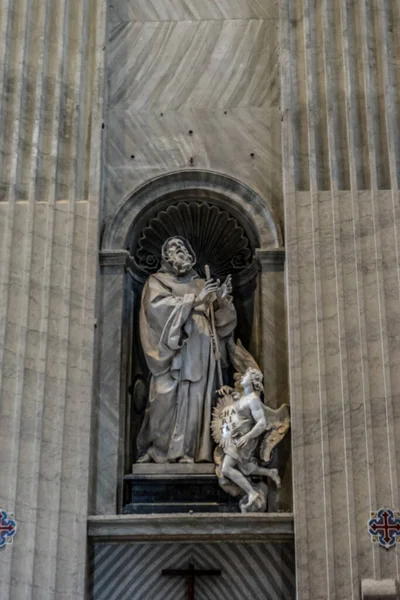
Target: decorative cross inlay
[8,528]
[191,573]
[384,527]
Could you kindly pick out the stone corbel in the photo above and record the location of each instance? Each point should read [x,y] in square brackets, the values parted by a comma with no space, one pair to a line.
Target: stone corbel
[113,258]
[272,259]
[386,589]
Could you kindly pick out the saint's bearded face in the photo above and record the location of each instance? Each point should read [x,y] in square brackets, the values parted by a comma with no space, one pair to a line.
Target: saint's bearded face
[179,256]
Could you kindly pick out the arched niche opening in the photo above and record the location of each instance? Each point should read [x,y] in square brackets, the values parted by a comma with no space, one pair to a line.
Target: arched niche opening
[232,230]
[221,239]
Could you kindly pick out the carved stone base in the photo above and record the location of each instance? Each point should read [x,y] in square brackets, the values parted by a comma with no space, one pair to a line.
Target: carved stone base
[380,590]
[150,469]
[155,489]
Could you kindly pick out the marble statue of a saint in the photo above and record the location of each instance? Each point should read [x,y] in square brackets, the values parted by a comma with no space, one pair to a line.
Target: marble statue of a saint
[175,331]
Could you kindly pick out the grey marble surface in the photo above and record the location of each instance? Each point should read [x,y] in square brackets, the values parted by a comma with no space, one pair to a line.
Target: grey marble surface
[134,571]
[211,69]
[340,123]
[184,10]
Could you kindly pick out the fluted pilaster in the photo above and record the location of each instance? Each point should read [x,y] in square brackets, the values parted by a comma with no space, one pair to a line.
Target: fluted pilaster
[340,108]
[51,57]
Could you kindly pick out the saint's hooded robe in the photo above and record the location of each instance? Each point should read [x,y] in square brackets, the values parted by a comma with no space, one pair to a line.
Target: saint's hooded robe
[176,340]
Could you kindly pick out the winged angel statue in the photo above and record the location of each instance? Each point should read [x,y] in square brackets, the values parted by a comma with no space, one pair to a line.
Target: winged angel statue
[246,431]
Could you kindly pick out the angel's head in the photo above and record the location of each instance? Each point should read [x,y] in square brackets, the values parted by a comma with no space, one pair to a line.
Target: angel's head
[254,377]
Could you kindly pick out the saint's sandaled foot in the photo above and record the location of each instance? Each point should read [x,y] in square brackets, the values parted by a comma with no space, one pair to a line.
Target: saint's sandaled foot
[146,458]
[187,460]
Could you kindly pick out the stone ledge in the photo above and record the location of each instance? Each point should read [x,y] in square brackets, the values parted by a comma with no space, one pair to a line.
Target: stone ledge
[192,527]
[154,469]
[372,589]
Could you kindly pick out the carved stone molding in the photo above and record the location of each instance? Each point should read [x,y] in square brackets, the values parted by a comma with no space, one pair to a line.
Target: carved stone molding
[113,258]
[196,184]
[192,527]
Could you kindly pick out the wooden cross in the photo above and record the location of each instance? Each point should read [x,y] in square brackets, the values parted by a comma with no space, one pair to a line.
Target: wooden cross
[190,573]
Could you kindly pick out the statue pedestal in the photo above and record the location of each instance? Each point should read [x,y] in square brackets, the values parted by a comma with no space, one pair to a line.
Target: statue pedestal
[175,488]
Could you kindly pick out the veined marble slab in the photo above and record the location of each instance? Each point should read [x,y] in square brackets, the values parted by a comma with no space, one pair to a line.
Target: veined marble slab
[249,571]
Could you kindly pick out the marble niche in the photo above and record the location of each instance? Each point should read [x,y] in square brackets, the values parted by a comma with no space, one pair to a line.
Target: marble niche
[232,231]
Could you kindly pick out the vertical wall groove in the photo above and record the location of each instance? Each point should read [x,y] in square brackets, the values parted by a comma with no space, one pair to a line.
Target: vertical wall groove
[358,99]
[392,34]
[387,66]
[19,18]
[48,140]
[299,111]
[321,436]
[24,494]
[64,583]
[11,91]
[332,298]
[11,278]
[351,286]
[321,133]
[290,182]
[45,527]
[65,190]
[5,24]
[379,165]
[376,134]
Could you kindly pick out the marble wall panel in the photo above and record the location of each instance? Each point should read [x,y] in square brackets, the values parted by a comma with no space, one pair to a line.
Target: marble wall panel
[182,10]
[199,92]
[248,570]
[109,428]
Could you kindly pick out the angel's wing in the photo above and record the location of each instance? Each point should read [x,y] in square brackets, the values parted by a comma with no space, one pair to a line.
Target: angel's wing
[240,358]
[279,421]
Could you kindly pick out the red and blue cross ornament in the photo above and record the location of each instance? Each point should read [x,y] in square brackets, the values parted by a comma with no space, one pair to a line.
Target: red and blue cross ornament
[8,528]
[384,527]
